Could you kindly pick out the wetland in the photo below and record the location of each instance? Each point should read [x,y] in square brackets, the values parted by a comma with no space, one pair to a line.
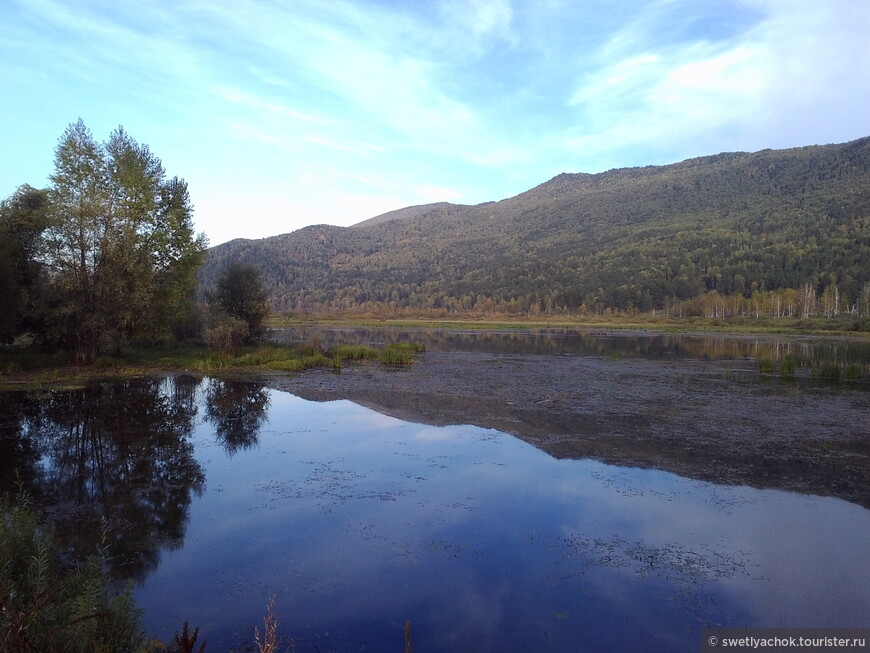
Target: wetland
[510,491]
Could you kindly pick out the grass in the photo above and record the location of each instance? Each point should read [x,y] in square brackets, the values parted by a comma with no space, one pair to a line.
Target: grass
[828,371]
[766,366]
[27,368]
[735,325]
[788,366]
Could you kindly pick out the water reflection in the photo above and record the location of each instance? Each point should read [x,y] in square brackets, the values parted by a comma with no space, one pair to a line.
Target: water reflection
[113,452]
[357,521]
[658,346]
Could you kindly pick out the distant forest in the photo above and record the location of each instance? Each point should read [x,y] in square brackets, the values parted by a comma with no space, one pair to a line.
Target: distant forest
[776,232]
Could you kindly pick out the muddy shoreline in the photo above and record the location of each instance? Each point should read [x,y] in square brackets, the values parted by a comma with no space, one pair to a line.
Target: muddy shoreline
[712,420]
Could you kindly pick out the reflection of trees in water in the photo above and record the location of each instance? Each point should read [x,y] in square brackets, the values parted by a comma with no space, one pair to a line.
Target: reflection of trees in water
[237,410]
[117,451]
[121,452]
[19,455]
[555,341]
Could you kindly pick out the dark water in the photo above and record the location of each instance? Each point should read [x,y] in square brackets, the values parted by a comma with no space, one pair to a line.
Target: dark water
[657,346]
[222,494]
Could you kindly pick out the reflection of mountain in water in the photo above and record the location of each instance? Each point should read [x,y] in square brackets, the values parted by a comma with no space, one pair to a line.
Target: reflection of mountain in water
[121,452]
[703,420]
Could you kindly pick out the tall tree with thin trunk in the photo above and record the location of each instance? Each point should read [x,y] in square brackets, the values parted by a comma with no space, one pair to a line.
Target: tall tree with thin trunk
[121,252]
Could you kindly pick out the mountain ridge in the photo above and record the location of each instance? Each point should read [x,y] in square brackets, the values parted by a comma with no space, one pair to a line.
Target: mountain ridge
[627,238]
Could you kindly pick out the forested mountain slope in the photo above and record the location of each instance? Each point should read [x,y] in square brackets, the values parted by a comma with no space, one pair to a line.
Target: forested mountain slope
[642,238]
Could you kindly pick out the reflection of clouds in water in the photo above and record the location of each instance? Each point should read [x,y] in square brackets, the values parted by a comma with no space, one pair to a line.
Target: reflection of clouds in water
[770,550]
[807,550]
[485,542]
[435,434]
[284,399]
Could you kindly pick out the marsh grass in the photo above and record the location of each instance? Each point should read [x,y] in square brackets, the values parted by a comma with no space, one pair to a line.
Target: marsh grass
[401,353]
[27,368]
[354,352]
[828,371]
[852,372]
[831,371]
[766,366]
[630,321]
[186,643]
[267,641]
[788,366]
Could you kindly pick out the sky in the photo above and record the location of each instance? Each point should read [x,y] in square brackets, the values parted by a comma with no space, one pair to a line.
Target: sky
[286,113]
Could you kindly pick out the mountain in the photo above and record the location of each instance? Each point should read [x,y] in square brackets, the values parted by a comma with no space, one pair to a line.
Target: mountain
[406,213]
[640,238]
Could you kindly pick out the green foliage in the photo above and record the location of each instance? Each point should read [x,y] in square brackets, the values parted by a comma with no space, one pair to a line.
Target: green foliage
[48,607]
[734,230]
[788,367]
[111,243]
[830,371]
[286,365]
[240,295]
[397,354]
[766,366]
[306,356]
[22,221]
[852,372]
[353,352]
[413,347]
[228,336]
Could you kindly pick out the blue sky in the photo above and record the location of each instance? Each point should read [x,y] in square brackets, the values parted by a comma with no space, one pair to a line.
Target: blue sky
[281,114]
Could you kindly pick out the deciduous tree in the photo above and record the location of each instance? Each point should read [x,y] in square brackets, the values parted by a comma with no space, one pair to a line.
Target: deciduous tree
[121,250]
[22,221]
[240,294]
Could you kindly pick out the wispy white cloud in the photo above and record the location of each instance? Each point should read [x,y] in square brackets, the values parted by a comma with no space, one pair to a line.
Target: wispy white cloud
[479,19]
[768,86]
[379,76]
[275,108]
[333,109]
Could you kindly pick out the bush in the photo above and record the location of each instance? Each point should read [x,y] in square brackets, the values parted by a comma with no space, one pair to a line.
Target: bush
[228,336]
[48,607]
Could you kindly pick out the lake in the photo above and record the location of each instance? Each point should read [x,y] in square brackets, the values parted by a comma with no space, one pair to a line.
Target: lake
[565,341]
[224,493]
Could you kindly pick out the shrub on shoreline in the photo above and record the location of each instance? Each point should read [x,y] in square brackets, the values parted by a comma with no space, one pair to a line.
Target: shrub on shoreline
[49,606]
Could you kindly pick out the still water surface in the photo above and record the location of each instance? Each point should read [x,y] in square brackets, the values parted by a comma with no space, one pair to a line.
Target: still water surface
[224,494]
[616,344]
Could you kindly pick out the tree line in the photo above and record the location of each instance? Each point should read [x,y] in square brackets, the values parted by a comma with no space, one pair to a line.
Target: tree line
[106,255]
[642,239]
